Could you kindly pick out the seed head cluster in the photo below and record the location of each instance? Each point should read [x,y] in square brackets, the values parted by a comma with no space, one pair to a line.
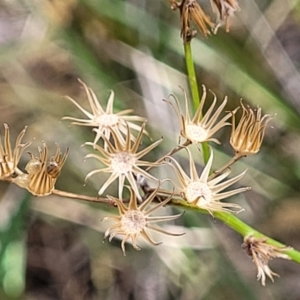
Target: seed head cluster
[121,156]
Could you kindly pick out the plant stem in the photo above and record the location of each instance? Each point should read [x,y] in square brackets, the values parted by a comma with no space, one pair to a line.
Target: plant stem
[194,88]
[229,219]
[82,197]
[239,226]
[170,153]
[236,157]
[191,74]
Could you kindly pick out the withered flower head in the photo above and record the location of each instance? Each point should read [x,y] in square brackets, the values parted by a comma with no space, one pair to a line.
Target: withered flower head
[104,121]
[261,253]
[134,221]
[9,158]
[246,138]
[123,161]
[201,129]
[224,9]
[190,10]
[42,174]
[203,192]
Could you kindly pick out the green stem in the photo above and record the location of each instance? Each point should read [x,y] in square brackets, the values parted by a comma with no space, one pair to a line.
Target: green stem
[245,230]
[194,88]
[239,226]
[191,74]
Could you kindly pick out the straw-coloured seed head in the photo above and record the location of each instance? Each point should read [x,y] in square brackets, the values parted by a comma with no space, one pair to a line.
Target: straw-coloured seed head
[42,173]
[9,158]
[200,128]
[135,221]
[104,121]
[247,136]
[261,253]
[224,9]
[190,10]
[203,192]
[122,160]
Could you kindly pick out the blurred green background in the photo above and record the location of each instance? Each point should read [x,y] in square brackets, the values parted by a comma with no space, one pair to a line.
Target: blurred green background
[51,248]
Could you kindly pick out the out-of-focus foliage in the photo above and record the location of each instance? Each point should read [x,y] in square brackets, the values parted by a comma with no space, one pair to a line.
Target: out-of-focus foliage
[134,48]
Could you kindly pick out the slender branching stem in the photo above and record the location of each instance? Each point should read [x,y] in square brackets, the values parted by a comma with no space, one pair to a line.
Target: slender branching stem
[82,197]
[170,153]
[229,219]
[234,159]
[236,224]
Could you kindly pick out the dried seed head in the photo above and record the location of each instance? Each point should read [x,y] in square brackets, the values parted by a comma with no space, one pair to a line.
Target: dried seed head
[122,160]
[246,138]
[42,174]
[203,192]
[261,252]
[104,121]
[135,221]
[190,10]
[9,158]
[201,129]
[224,9]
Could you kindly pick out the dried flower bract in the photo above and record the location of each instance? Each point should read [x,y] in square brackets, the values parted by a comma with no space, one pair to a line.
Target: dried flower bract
[261,252]
[224,9]
[190,10]
[134,221]
[104,121]
[9,158]
[246,138]
[201,129]
[123,161]
[42,174]
[203,192]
